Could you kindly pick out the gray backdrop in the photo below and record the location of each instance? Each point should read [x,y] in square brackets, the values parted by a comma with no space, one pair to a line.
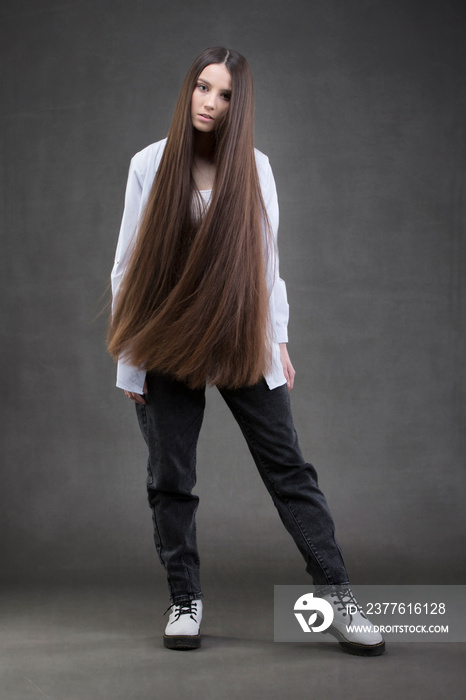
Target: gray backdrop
[360,107]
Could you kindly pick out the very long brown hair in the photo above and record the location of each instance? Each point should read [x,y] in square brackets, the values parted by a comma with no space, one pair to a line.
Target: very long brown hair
[193,302]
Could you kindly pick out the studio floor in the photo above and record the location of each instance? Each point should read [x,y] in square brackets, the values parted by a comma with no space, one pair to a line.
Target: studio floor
[105,643]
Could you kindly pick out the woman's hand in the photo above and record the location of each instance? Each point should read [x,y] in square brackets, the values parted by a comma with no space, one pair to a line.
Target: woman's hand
[138,398]
[288,368]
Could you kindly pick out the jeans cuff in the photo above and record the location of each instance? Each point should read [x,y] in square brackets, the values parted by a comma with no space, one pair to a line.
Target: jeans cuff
[185,598]
[331,588]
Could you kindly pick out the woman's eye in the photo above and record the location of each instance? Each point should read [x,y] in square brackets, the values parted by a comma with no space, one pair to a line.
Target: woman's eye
[226,96]
[202,88]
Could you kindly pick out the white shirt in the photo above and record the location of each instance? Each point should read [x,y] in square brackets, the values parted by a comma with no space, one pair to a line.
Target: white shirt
[142,171]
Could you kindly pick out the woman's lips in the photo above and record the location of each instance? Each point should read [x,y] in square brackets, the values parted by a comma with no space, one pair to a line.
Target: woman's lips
[206,117]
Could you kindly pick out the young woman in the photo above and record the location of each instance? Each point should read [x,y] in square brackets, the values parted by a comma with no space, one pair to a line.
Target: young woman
[198,299]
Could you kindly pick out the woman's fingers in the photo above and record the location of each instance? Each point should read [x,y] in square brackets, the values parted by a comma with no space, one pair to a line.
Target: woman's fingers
[290,374]
[138,398]
[288,369]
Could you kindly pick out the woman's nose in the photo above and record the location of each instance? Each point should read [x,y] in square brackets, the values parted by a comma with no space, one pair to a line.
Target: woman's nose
[209,102]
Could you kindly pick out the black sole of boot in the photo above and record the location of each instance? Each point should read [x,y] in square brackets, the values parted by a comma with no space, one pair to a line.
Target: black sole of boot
[181,643]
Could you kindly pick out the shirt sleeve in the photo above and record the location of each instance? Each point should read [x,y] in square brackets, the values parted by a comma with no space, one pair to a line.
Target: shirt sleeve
[128,377]
[278,287]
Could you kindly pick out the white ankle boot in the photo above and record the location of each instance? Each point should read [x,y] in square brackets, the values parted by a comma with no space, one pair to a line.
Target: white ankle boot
[363,641]
[182,630]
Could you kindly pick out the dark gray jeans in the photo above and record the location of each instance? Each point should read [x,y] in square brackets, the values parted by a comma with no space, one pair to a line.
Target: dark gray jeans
[170,424]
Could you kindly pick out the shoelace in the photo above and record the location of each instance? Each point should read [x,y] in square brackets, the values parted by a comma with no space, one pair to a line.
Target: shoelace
[345,597]
[187,608]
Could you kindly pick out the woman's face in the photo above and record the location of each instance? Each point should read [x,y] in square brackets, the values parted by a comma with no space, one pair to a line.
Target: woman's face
[211,97]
